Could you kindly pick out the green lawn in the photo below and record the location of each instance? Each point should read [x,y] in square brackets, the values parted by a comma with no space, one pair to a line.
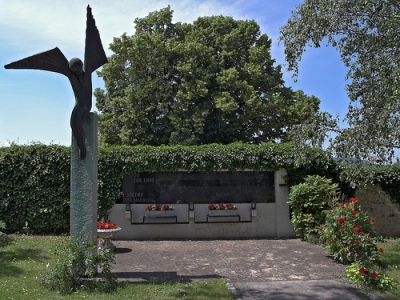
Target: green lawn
[391,260]
[23,261]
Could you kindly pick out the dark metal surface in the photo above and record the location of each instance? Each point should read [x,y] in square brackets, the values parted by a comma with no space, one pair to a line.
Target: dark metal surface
[78,73]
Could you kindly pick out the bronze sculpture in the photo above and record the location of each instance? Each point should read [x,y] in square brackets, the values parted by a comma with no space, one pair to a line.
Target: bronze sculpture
[78,73]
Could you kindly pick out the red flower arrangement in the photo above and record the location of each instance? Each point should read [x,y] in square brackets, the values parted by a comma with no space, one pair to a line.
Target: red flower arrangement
[105,225]
[159,207]
[221,206]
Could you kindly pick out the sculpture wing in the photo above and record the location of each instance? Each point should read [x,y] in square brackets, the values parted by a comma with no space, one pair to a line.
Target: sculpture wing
[95,56]
[52,60]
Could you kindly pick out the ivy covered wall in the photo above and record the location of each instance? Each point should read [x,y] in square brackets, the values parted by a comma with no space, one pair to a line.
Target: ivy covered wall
[35,179]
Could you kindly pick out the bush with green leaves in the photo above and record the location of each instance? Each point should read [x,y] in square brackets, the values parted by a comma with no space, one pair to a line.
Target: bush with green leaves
[349,234]
[35,188]
[308,201]
[369,277]
[75,262]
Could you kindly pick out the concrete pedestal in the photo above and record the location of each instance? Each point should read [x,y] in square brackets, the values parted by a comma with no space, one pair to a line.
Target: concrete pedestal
[83,210]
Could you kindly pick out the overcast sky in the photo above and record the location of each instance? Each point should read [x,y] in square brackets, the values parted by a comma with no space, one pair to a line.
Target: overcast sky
[35,106]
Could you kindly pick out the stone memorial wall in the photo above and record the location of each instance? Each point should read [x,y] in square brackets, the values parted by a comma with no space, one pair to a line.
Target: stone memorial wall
[195,187]
[259,199]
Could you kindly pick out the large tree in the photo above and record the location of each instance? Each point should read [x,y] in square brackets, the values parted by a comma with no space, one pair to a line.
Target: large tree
[212,81]
[366,32]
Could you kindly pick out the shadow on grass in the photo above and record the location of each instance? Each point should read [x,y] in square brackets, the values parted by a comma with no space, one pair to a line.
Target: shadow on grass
[207,290]
[5,240]
[9,258]
[391,256]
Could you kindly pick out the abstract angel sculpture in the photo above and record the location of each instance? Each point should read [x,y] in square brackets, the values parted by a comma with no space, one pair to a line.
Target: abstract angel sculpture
[78,73]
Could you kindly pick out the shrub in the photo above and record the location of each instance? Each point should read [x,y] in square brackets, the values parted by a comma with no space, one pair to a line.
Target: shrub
[75,261]
[371,277]
[349,234]
[308,201]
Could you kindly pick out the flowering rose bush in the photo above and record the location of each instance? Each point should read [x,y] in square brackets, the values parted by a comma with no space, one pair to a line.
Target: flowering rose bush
[349,234]
[105,225]
[370,277]
[159,207]
[221,206]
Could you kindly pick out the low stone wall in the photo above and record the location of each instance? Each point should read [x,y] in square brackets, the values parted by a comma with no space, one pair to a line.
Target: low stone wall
[377,204]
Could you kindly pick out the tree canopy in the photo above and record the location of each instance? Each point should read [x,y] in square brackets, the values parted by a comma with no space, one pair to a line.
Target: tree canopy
[366,34]
[212,81]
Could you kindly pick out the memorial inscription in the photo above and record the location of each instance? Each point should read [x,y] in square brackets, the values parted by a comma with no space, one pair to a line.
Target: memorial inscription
[185,187]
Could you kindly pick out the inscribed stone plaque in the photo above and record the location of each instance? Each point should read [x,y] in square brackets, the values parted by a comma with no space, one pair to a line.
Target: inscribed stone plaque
[184,187]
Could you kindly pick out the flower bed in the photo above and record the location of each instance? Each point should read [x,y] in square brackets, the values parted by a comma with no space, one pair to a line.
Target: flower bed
[222,210]
[221,206]
[158,210]
[159,207]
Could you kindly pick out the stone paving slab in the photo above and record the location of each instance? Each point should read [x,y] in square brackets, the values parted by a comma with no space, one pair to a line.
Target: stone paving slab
[254,269]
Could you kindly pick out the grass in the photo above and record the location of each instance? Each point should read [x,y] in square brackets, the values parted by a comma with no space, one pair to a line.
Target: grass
[24,260]
[391,261]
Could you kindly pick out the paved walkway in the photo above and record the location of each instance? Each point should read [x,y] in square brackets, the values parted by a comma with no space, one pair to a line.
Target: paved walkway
[253,269]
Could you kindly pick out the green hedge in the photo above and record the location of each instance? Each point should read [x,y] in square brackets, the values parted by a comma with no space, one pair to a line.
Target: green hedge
[35,187]
[36,178]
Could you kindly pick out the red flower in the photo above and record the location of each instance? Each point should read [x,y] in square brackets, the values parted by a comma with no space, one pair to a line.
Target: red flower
[374,275]
[211,206]
[158,207]
[374,228]
[105,225]
[230,206]
[354,212]
[362,233]
[358,242]
[341,220]
[221,206]
[380,250]
[353,199]
[356,229]
[347,203]
[341,205]
[362,271]
[372,220]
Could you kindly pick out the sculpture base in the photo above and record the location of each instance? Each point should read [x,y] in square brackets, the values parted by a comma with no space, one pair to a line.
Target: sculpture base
[83,210]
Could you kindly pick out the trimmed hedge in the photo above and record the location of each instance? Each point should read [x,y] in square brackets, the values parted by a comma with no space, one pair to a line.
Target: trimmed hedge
[36,178]
[35,188]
